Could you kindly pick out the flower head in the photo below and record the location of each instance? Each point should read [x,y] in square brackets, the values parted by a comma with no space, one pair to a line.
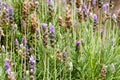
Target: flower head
[7,65]
[50,2]
[44,25]
[24,41]
[10,11]
[64,53]
[105,7]
[37,31]
[77,43]
[84,8]
[32,61]
[94,2]
[95,17]
[5,5]
[52,30]
[16,42]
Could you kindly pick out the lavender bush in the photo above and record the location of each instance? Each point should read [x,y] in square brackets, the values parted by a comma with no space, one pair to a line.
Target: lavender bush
[59,40]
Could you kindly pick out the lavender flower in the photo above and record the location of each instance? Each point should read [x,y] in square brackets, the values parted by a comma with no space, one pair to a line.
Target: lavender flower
[105,8]
[52,36]
[95,20]
[11,19]
[50,2]
[84,8]
[44,26]
[5,14]
[16,42]
[24,41]
[32,61]
[5,5]
[10,11]
[51,9]
[93,2]
[95,17]
[45,34]
[52,29]
[77,45]
[9,73]
[32,66]
[37,33]
[64,55]
[7,65]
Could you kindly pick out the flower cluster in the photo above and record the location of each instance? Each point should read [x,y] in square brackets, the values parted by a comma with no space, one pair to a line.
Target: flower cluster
[32,67]
[8,70]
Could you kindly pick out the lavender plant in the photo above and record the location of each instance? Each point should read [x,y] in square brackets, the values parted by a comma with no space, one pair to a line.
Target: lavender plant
[59,40]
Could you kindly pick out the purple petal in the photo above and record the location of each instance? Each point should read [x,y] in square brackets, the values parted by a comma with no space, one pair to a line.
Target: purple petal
[32,61]
[16,42]
[5,4]
[44,25]
[64,53]
[77,43]
[95,17]
[7,65]
[52,29]
[50,2]
[94,2]
[84,8]
[105,7]
[10,11]
[24,41]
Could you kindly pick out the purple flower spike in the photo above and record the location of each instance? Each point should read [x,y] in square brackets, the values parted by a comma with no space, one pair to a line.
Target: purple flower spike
[24,41]
[77,43]
[32,61]
[32,66]
[16,42]
[7,65]
[75,23]
[44,25]
[10,11]
[37,31]
[105,7]
[77,46]
[95,17]
[5,5]
[94,2]
[64,53]
[52,30]
[50,2]
[84,8]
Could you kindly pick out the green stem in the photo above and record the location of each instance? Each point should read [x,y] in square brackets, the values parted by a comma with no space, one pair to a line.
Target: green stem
[55,71]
